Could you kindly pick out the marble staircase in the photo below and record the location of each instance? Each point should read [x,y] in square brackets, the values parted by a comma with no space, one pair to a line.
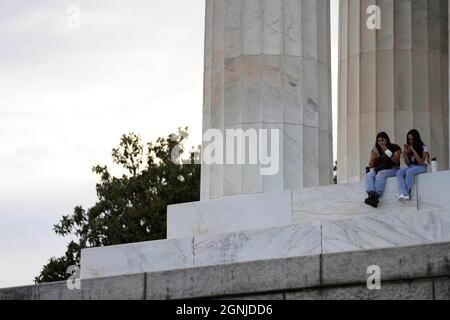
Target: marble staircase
[312,221]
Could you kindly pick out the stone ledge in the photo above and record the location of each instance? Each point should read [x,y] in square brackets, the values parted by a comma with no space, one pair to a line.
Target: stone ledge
[326,203]
[323,220]
[135,258]
[129,287]
[424,261]
[275,209]
[418,272]
[46,291]
[229,214]
[232,279]
[358,234]
[404,290]
[442,289]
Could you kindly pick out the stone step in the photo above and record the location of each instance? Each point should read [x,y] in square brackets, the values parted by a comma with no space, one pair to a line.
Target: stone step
[413,272]
[316,220]
[373,231]
[343,201]
[335,202]
[256,211]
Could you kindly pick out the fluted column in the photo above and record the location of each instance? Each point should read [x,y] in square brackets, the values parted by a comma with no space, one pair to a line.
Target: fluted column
[393,79]
[267,66]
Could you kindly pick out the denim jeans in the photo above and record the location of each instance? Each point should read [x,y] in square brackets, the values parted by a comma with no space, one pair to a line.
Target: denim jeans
[405,178]
[376,182]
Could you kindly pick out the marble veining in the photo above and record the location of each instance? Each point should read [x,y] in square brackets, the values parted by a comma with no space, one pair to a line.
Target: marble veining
[346,201]
[289,241]
[386,230]
[319,232]
[136,258]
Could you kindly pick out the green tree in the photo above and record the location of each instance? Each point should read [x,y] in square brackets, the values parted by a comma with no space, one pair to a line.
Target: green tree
[130,208]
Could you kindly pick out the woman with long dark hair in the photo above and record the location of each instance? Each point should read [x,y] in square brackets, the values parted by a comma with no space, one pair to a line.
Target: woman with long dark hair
[416,155]
[384,163]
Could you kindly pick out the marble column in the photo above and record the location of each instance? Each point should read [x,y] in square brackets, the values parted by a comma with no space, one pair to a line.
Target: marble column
[392,79]
[267,66]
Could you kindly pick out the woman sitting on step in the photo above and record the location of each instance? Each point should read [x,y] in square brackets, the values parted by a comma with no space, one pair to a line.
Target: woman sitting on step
[384,163]
[416,155]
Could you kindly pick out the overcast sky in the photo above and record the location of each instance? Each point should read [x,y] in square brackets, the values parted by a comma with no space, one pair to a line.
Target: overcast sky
[66,97]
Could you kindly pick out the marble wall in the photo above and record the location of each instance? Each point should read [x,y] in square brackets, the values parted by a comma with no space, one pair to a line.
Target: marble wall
[315,220]
[392,79]
[267,66]
[309,205]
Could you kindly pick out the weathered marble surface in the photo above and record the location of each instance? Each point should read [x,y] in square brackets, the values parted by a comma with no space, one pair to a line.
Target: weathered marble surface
[267,66]
[385,230]
[263,244]
[346,201]
[289,241]
[136,258]
[330,219]
[328,236]
[334,202]
[265,210]
[229,214]
[415,272]
[434,191]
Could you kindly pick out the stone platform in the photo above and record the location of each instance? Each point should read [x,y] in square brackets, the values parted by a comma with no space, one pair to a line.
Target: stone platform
[417,272]
[281,225]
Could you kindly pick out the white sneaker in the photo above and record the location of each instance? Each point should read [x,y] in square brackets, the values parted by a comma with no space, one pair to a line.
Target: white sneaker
[402,197]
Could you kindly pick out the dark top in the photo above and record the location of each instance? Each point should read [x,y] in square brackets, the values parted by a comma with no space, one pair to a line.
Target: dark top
[386,163]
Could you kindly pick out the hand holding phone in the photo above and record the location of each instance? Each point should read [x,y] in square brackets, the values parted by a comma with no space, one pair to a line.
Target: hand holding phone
[407,148]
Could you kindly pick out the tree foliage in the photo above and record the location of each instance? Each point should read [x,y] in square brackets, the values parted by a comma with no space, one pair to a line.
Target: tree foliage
[132,207]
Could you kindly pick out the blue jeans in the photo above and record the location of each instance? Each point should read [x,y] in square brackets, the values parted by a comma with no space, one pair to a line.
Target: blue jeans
[405,178]
[376,182]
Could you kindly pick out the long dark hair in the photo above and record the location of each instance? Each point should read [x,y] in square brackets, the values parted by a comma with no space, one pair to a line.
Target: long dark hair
[382,135]
[418,143]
